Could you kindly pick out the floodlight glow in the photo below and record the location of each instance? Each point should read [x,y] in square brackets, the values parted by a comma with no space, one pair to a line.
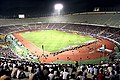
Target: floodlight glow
[58,6]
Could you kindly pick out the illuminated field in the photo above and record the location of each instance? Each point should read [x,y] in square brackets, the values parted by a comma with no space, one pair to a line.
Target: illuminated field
[53,40]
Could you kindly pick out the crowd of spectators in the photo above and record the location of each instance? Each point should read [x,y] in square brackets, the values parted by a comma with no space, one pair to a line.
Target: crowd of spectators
[25,70]
[7,52]
[106,31]
[102,18]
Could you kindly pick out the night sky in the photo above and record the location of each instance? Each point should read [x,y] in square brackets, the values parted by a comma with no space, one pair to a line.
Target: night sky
[35,7]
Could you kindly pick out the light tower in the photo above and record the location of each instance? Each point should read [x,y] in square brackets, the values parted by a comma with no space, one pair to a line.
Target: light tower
[58,8]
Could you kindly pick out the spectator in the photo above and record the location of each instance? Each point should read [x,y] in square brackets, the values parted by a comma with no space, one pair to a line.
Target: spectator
[57,77]
[101,75]
[51,75]
[80,76]
[14,71]
[45,73]
[4,77]
[95,73]
[65,75]
[32,75]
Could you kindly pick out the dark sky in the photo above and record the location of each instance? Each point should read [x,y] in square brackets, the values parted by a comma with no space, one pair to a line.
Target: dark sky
[47,6]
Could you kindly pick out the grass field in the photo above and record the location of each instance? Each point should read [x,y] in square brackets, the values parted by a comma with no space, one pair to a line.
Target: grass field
[53,40]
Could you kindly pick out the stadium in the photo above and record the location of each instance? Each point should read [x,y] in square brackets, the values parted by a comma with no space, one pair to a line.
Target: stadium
[82,38]
[58,33]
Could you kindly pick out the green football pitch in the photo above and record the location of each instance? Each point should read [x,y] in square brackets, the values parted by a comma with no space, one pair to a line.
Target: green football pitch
[53,40]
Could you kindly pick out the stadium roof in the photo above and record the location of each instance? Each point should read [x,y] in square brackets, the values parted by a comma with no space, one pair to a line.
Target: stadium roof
[35,7]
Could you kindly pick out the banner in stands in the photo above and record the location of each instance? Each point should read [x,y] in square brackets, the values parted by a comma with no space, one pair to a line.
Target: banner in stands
[21,16]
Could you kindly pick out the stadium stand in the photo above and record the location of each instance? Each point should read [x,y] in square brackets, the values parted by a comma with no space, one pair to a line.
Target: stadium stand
[7,52]
[100,18]
[25,70]
[103,31]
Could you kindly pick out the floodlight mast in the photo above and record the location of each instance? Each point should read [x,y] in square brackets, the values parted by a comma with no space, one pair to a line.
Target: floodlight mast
[58,8]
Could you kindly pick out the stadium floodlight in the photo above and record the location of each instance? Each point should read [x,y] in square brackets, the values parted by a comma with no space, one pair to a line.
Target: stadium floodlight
[58,8]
